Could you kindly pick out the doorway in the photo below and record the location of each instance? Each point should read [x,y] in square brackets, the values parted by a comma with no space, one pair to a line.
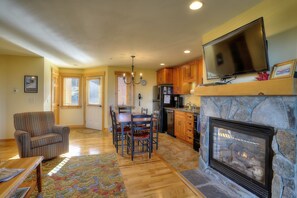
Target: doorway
[94,102]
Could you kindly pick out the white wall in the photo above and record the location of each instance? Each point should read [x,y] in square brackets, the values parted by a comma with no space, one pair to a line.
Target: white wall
[15,67]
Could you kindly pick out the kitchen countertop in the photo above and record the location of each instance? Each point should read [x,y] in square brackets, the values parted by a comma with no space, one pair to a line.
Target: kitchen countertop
[184,109]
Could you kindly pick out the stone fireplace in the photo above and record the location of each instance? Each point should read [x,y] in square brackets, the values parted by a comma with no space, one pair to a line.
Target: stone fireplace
[276,112]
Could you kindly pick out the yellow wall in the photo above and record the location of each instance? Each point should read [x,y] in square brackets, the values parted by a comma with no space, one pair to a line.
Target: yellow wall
[279,17]
[13,69]
[3,98]
[47,85]
[76,116]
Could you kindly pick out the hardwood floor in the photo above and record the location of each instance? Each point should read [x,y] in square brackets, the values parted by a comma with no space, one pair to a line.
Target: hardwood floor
[143,177]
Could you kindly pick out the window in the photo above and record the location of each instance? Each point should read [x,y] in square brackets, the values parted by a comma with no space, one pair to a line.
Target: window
[71,91]
[124,93]
[94,91]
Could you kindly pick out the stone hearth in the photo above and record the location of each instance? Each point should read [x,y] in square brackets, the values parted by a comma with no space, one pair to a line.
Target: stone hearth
[279,112]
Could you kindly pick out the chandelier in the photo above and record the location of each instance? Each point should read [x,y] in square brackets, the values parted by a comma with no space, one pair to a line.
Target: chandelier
[133,81]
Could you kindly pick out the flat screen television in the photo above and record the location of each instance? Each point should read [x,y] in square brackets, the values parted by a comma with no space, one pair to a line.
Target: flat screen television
[241,51]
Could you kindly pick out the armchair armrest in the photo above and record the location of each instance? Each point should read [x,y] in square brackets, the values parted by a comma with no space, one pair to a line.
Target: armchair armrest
[22,136]
[62,130]
[23,141]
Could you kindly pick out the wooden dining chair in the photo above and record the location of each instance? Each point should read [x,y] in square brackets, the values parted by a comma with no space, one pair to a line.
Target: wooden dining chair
[144,110]
[110,112]
[140,135]
[156,129]
[117,133]
[125,109]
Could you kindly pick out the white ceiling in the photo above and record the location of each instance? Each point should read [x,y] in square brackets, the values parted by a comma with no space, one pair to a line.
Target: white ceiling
[80,33]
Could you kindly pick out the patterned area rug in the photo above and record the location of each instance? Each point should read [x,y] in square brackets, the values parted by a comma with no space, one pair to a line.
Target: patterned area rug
[82,176]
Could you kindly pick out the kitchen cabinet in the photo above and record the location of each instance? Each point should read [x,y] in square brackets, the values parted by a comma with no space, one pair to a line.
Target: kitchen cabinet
[189,133]
[190,71]
[185,75]
[164,76]
[199,79]
[179,124]
[184,126]
[179,86]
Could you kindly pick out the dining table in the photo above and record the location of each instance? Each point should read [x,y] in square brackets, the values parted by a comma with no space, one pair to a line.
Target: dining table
[124,119]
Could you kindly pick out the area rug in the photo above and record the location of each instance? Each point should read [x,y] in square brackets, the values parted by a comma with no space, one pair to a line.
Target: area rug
[86,131]
[82,176]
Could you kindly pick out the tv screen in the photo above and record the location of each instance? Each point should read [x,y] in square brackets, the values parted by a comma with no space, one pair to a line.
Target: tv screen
[241,51]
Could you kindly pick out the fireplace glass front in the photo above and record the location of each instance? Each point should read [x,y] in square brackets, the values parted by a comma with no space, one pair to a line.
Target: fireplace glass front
[242,152]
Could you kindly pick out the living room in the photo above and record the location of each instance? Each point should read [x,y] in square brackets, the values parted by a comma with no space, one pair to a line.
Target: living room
[280,28]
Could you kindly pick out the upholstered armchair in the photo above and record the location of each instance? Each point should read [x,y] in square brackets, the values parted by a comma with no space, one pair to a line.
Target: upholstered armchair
[37,135]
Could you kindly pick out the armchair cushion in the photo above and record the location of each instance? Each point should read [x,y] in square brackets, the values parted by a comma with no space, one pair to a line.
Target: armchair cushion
[42,140]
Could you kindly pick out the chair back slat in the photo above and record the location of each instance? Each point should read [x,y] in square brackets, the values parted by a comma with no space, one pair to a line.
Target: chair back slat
[125,109]
[141,122]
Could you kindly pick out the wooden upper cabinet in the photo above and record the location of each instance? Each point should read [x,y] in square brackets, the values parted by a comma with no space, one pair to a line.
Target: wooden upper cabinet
[179,86]
[164,76]
[182,76]
[199,79]
[190,71]
[176,74]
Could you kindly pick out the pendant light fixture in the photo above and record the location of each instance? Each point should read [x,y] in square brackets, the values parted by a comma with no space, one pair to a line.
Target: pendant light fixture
[133,81]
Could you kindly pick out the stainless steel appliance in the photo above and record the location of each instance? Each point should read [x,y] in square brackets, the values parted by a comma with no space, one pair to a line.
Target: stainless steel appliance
[170,121]
[162,97]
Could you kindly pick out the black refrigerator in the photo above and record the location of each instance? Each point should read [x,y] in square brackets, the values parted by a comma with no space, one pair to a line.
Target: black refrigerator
[162,97]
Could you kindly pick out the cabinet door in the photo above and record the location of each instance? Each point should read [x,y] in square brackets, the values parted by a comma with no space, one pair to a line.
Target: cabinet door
[168,76]
[159,77]
[189,133]
[200,71]
[179,124]
[179,86]
[190,72]
[176,80]
[164,76]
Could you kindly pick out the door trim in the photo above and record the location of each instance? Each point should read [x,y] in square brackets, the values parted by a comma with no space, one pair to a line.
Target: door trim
[91,76]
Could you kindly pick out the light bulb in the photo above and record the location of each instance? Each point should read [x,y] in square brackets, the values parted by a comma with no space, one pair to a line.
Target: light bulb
[195,5]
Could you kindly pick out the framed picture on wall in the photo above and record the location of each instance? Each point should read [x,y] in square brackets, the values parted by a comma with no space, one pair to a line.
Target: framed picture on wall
[30,84]
[283,70]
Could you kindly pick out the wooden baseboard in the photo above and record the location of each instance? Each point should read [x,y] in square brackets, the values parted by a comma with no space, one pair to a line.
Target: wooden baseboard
[76,126]
[5,140]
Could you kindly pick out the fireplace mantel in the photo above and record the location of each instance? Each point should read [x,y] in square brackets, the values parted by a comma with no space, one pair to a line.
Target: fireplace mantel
[276,87]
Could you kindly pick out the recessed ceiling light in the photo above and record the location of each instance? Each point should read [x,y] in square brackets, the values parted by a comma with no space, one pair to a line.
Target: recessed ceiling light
[162,64]
[195,5]
[187,51]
